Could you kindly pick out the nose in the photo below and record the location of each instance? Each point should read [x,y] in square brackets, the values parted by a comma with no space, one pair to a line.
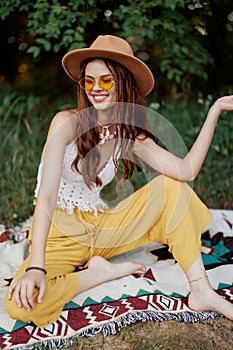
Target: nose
[96,85]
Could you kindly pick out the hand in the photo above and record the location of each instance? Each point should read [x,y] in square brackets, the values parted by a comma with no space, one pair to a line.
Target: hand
[224,104]
[24,287]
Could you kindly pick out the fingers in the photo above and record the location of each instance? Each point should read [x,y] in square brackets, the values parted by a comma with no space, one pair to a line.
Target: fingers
[10,292]
[17,296]
[141,269]
[23,294]
[27,297]
[28,290]
[23,290]
[41,292]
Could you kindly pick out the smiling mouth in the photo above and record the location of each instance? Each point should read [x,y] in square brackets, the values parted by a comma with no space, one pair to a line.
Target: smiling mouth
[99,98]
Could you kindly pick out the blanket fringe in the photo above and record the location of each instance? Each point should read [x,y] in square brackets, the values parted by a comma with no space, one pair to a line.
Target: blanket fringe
[116,325]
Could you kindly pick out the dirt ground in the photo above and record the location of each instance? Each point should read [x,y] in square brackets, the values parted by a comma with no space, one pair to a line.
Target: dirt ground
[167,335]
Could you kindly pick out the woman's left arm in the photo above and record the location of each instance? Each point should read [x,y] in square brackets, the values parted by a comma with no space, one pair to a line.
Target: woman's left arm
[187,168]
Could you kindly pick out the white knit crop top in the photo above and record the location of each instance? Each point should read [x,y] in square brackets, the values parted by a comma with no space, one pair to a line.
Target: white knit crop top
[73,191]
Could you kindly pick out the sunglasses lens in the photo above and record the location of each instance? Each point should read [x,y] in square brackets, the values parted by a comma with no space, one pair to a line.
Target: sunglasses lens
[106,83]
[89,83]
[86,83]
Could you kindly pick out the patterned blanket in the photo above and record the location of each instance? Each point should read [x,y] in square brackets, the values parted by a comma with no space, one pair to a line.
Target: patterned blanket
[160,294]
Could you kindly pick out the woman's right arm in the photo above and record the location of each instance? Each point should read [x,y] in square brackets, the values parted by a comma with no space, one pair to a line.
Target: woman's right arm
[61,133]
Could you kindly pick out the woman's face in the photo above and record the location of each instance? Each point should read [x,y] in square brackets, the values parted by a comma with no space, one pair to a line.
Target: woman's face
[99,97]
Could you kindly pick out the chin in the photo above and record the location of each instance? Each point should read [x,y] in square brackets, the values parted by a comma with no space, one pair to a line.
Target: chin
[102,106]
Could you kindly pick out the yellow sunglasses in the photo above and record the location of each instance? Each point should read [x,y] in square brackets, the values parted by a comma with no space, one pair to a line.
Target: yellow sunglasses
[105,83]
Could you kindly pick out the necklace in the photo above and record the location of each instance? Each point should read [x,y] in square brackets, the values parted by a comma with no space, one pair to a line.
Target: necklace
[105,135]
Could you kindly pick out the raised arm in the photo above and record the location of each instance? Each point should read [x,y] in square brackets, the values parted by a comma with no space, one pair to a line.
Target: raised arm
[187,168]
[61,132]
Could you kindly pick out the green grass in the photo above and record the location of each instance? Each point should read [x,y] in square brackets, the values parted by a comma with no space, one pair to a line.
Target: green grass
[24,125]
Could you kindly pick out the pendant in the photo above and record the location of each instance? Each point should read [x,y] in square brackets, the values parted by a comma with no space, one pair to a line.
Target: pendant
[105,135]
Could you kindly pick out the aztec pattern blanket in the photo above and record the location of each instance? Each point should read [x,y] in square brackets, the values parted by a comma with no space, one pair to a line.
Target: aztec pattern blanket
[161,294]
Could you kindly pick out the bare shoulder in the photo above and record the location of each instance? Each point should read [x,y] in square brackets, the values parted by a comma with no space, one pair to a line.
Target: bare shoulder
[65,122]
[69,117]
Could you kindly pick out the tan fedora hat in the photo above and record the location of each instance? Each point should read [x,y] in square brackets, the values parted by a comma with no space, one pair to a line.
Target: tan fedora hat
[114,48]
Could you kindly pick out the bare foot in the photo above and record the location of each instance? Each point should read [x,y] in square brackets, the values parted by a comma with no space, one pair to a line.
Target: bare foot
[100,270]
[111,271]
[207,300]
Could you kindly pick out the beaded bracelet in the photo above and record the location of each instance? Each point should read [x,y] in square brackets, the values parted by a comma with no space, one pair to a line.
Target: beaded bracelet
[36,268]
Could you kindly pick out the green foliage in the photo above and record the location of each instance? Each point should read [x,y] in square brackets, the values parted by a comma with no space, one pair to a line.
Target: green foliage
[164,29]
[22,135]
[53,25]
[176,38]
[170,34]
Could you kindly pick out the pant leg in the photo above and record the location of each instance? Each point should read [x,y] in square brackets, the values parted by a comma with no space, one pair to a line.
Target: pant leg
[166,210]
[61,257]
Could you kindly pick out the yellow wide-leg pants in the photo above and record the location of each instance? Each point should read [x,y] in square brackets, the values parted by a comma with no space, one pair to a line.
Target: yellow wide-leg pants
[165,210]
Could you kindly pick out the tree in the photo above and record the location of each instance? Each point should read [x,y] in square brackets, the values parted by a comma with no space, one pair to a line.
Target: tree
[172,35]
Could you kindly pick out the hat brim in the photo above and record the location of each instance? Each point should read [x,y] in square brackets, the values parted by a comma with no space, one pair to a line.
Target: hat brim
[71,63]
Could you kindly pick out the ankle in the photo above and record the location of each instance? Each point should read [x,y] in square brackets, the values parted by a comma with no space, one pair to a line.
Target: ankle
[197,279]
[200,284]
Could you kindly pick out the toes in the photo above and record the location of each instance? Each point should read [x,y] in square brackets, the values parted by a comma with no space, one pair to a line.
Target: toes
[116,270]
[140,269]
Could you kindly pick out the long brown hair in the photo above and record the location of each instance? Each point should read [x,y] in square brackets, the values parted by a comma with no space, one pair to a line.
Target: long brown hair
[129,120]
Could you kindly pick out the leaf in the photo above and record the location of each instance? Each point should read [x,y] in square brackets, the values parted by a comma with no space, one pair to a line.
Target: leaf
[69,32]
[56,47]
[24,7]
[35,50]
[172,4]
[45,43]
[5,12]
[91,2]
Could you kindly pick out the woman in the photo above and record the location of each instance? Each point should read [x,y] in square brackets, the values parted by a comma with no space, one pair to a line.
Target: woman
[72,227]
